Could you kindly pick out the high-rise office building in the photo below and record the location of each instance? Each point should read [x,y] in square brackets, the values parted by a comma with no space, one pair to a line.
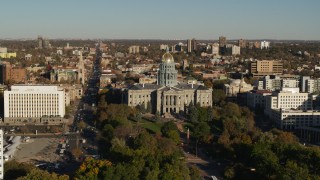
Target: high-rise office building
[235,50]
[222,41]
[222,45]
[40,42]
[46,43]
[264,44]
[257,44]
[134,49]
[242,43]
[192,45]
[43,43]
[164,47]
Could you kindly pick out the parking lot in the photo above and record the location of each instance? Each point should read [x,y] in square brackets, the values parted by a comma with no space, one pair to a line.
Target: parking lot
[38,149]
[45,153]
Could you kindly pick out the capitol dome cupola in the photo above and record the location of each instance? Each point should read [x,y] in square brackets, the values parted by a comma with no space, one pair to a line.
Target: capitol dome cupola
[167,58]
[167,74]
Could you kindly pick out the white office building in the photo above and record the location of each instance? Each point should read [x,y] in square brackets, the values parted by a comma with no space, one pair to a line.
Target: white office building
[294,119]
[134,49]
[34,104]
[265,45]
[215,49]
[276,83]
[312,85]
[289,98]
[290,109]
[290,83]
[271,84]
[235,50]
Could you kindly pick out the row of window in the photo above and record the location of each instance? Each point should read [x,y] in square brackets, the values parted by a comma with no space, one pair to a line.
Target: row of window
[21,103]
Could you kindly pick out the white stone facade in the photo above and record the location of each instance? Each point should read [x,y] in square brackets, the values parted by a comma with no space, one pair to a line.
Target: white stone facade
[25,102]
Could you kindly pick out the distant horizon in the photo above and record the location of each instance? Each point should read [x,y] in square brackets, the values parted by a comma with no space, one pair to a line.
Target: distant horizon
[136,39]
[165,20]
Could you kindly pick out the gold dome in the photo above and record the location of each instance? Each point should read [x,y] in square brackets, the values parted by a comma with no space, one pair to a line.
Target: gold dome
[167,58]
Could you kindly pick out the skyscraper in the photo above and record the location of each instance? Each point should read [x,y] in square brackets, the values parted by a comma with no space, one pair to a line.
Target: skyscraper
[40,42]
[264,44]
[235,50]
[134,49]
[192,45]
[242,43]
[43,43]
[222,41]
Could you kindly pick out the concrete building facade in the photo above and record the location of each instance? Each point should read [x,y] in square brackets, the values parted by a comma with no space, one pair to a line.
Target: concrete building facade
[134,49]
[264,44]
[34,104]
[191,45]
[242,43]
[235,50]
[222,41]
[262,68]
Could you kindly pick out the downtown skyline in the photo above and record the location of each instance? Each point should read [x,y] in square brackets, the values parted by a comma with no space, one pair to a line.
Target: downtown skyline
[285,20]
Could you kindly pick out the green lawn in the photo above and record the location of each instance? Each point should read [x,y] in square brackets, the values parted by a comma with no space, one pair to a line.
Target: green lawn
[153,127]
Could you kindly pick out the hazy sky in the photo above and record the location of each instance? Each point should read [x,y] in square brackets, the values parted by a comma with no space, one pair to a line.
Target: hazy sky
[161,19]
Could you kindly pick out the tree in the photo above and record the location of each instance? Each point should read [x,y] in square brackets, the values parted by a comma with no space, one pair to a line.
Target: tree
[209,114]
[194,173]
[170,130]
[229,173]
[218,84]
[93,169]
[218,96]
[202,114]
[81,125]
[193,112]
[208,83]
[265,160]
[232,109]
[14,170]
[36,174]
[76,152]
[293,171]
[200,130]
